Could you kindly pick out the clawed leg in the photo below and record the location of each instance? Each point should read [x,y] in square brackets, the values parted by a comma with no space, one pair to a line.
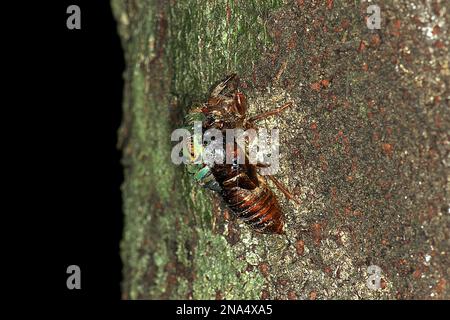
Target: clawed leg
[279,185]
[283,189]
[269,113]
[219,88]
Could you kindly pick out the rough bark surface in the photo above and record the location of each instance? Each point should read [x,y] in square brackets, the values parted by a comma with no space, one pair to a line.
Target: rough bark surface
[365,147]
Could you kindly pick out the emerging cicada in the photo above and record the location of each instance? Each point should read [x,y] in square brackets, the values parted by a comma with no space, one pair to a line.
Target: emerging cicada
[242,188]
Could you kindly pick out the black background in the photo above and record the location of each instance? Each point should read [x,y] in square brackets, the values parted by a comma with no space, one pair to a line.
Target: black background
[71,91]
[89,66]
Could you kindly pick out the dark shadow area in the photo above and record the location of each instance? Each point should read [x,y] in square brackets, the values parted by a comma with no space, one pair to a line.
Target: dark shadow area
[82,86]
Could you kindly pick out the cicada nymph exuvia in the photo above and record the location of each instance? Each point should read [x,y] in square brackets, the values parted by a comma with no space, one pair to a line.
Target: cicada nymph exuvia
[243,189]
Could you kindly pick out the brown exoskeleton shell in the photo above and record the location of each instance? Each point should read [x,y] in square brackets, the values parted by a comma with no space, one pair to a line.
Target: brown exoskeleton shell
[243,189]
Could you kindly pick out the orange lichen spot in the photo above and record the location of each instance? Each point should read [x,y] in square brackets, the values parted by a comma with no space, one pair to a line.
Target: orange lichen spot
[417,273]
[436,30]
[396,28]
[388,149]
[439,44]
[345,24]
[402,262]
[323,163]
[292,42]
[292,295]
[219,295]
[348,211]
[300,247]
[362,46]
[329,4]
[325,83]
[375,40]
[440,287]
[264,269]
[228,10]
[333,193]
[317,233]
[357,213]
[315,86]
[265,295]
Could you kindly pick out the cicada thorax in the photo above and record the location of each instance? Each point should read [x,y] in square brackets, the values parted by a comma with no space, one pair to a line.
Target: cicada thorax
[193,152]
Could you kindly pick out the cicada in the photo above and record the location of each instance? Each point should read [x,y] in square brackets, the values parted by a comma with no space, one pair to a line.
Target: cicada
[240,185]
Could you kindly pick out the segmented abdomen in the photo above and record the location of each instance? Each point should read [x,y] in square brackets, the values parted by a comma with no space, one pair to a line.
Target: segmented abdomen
[258,208]
[248,196]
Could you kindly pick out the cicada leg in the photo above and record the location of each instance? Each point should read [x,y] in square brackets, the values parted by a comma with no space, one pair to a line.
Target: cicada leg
[222,85]
[274,112]
[284,190]
[289,195]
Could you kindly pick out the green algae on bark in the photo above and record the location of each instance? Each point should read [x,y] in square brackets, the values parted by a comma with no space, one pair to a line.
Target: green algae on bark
[167,241]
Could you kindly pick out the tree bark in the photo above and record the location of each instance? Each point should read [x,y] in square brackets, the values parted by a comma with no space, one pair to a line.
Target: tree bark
[365,147]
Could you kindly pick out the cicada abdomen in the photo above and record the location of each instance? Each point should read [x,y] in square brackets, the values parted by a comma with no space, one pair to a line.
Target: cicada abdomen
[247,194]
